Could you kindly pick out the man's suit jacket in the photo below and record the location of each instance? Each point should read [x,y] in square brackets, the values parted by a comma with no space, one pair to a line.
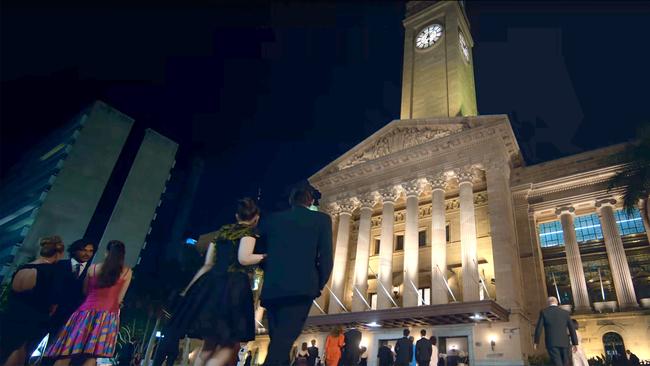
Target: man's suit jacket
[385,356]
[68,291]
[404,351]
[555,322]
[423,350]
[351,350]
[299,247]
[313,355]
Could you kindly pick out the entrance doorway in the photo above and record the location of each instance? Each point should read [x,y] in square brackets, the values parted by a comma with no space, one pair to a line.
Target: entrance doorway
[613,344]
[455,350]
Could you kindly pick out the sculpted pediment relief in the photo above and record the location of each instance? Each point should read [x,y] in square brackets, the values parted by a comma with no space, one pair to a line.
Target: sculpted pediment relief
[397,139]
[403,146]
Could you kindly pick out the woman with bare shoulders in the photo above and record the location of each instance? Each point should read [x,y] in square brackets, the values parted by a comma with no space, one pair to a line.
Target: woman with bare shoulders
[217,305]
[91,331]
[30,303]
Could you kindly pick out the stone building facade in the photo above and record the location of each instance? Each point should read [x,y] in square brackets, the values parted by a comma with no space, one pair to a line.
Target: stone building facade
[440,225]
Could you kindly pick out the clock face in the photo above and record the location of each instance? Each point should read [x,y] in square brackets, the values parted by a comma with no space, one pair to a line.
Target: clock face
[463,46]
[428,36]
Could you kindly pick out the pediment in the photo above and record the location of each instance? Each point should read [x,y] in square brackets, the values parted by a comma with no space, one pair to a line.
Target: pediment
[397,136]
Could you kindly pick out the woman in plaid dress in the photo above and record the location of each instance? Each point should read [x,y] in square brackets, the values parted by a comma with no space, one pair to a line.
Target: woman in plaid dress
[91,332]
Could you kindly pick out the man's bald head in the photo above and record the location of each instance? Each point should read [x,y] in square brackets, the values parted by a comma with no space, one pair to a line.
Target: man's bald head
[552,300]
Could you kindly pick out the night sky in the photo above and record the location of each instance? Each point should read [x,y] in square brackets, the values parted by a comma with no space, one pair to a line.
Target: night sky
[269,94]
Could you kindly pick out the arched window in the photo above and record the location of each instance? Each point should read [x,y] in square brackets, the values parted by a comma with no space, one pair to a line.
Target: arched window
[613,344]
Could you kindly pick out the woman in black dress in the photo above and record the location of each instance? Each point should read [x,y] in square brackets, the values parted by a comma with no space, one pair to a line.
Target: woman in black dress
[30,303]
[217,305]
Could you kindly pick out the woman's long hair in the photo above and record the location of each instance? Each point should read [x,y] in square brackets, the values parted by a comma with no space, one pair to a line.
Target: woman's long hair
[112,267]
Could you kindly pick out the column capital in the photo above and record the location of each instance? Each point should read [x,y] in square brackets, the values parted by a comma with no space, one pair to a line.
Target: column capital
[565,210]
[438,181]
[389,194]
[465,175]
[413,188]
[346,206]
[605,202]
[367,200]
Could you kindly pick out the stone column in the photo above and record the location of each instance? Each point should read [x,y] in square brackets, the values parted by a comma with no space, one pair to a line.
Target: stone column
[505,252]
[438,241]
[574,261]
[468,236]
[367,202]
[388,197]
[341,255]
[412,189]
[616,255]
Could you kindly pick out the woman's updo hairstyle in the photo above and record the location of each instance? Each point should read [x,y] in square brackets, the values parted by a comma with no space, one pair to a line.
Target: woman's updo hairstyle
[247,209]
[51,246]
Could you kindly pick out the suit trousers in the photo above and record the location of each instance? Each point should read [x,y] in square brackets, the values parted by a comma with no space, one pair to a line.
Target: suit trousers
[559,355]
[285,319]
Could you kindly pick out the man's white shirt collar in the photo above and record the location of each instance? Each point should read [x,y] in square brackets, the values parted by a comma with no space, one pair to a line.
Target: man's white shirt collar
[74,262]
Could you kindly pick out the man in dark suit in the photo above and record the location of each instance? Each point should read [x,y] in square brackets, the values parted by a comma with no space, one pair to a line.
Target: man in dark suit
[299,264]
[70,274]
[313,353]
[404,350]
[351,350]
[423,349]
[385,355]
[555,322]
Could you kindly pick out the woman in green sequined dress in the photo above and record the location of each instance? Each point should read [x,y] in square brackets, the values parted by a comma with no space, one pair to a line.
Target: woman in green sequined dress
[218,304]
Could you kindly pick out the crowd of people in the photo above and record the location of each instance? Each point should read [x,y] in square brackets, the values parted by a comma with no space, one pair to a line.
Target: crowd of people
[77,303]
[343,348]
[71,301]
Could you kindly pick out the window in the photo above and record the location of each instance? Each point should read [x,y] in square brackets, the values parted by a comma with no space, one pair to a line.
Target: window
[373,301]
[550,234]
[399,243]
[613,344]
[629,223]
[377,244]
[422,238]
[587,228]
[424,294]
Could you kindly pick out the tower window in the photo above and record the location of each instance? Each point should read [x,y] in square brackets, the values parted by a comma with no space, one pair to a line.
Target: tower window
[377,245]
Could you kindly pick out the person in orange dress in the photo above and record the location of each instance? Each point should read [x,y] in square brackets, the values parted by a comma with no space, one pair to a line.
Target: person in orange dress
[333,344]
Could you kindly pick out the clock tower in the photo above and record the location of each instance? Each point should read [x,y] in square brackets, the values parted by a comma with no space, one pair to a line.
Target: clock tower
[438,72]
